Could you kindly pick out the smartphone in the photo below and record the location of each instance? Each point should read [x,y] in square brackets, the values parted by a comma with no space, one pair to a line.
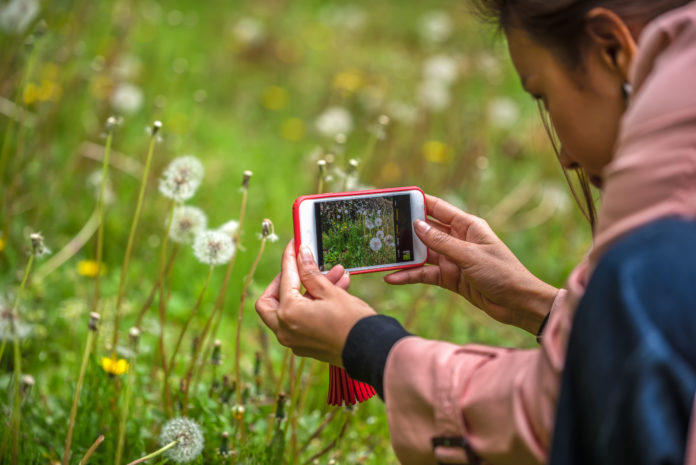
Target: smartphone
[365,231]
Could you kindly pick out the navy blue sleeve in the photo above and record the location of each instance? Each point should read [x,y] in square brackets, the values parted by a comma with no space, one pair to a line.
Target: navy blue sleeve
[367,347]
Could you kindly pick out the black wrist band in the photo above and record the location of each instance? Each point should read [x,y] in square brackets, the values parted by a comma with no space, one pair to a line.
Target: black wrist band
[541,328]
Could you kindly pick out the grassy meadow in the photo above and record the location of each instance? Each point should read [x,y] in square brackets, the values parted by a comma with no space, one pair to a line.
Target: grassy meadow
[158,146]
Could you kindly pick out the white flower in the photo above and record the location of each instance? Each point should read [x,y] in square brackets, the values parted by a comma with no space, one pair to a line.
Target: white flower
[369,224]
[17,15]
[187,223]
[230,228]
[435,26]
[248,30]
[389,240]
[380,234]
[188,436]
[375,244]
[127,98]
[441,68]
[434,95]
[378,222]
[402,112]
[213,248]
[502,112]
[181,178]
[338,216]
[334,121]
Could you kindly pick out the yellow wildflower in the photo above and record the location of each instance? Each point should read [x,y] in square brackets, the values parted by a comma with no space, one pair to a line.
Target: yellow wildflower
[293,129]
[435,151]
[90,268]
[2,244]
[114,366]
[348,81]
[275,98]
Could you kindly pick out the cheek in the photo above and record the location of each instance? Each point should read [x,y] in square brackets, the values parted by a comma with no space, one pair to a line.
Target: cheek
[587,129]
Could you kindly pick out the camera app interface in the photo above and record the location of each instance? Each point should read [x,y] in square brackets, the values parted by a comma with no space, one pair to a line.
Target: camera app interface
[364,232]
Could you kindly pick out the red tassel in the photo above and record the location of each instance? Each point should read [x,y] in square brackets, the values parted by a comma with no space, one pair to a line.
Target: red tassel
[344,389]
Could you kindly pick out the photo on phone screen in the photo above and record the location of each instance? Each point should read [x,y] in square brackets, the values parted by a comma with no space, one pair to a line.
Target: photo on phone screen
[364,232]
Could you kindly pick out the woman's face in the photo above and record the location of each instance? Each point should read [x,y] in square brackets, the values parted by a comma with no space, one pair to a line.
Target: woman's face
[585,103]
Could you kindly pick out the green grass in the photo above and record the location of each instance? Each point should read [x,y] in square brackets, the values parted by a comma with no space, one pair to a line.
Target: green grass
[217,94]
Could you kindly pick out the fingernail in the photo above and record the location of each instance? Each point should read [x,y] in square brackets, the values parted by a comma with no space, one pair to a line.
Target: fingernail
[306,254]
[421,226]
[346,273]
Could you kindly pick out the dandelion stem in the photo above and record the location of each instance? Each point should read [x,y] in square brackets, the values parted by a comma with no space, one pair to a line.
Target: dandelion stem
[332,444]
[91,450]
[240,314]
[217,312]
[279,385]
[163,309]
[71,248]
[76,397]
[16,413]
[6,188]
[155,288]
[125,406]
[131,238]
[294,396]
[192,314]
[100,208]
[155,453]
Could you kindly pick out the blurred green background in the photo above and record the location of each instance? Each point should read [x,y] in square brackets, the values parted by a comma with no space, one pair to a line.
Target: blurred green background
[270,86]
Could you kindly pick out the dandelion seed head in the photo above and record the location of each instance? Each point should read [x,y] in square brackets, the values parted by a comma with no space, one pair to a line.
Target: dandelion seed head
[389,240]
[380,234]
[267,231]
[333,121]
[245,179]
[188,436]
[127,98]
[112,123]
[230,228]
[436,26]
[181,178]
[369,224]
[17,15]
[134,334]
[187,223]
[375,244]
[378,222]
[38,247]
[383,120]
[213,248]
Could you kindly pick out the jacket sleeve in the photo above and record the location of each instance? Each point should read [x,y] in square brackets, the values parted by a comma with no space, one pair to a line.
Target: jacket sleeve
[449,404]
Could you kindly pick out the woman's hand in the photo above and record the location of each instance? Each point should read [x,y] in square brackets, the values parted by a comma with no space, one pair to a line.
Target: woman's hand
[317,323]
[471,260]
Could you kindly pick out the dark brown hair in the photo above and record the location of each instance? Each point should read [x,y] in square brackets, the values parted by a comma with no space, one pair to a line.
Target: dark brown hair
[559,25]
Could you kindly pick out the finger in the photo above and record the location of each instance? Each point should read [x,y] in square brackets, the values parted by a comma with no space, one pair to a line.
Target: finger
[344,282]
[442,227]
[289,277]
[335,273]
[445,212]
[444,244]
[310,275]
[267,305]
[424,274]
[338,276]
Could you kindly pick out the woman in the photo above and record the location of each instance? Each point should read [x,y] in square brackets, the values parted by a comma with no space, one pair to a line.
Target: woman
[615,77]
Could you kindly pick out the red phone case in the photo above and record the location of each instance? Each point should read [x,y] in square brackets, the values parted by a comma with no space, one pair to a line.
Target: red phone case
[296,218]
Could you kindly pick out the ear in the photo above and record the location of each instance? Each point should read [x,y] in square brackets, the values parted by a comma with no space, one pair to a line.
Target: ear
[612,39]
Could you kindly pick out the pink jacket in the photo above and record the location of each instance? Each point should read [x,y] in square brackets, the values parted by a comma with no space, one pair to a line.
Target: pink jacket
[503,401]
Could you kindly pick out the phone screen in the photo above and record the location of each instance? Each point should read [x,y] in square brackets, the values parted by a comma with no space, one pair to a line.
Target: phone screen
[364,232]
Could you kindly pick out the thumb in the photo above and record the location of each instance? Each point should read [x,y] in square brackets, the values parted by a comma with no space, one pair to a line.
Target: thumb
[455,249]
[313,280]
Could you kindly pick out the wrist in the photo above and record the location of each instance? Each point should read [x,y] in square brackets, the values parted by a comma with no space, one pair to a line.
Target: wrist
[537,306]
